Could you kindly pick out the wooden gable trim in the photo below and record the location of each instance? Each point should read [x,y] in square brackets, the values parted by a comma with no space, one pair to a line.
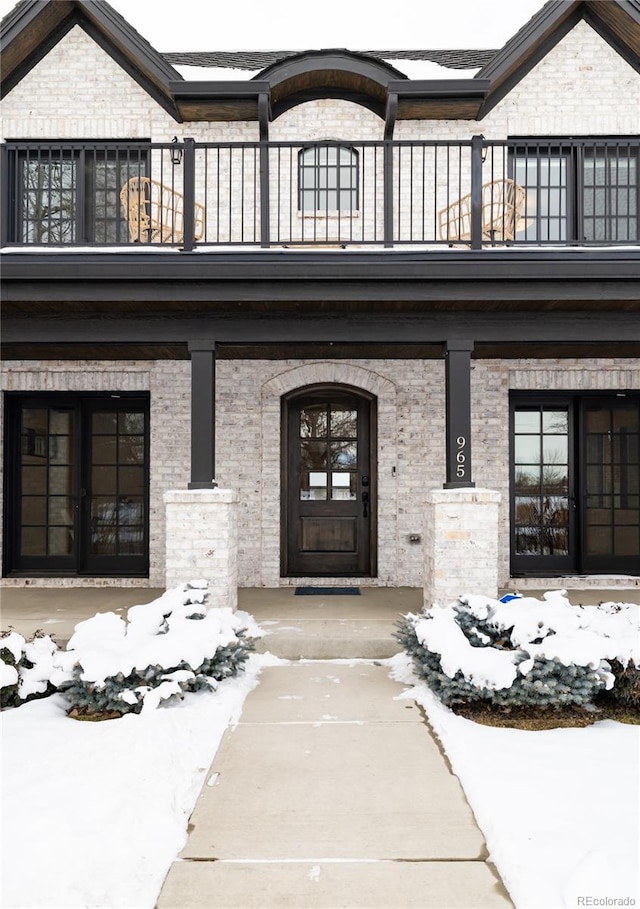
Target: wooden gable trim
[618,26]
[28,35]
[616,21]
[34,29]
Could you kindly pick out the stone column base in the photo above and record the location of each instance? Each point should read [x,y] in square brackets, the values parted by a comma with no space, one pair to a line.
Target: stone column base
[461,544]
[202,541]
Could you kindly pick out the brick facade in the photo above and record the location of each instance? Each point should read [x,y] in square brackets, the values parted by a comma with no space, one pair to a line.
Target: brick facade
[410,397]
[567,93]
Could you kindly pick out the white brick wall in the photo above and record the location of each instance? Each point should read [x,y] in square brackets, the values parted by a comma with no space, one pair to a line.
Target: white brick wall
[78,91]
[411,409]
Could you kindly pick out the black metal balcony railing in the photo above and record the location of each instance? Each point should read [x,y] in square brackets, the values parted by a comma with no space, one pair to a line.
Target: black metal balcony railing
[472,193]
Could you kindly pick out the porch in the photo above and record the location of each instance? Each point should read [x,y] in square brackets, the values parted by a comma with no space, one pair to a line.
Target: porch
[299,627]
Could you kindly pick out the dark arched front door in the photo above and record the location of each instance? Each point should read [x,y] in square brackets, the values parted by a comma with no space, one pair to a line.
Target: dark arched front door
[329,482]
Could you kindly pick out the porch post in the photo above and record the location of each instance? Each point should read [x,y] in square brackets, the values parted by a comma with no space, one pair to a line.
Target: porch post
[458,405]
[462,526]
[387,168]
[476,191]
[189,204]
[265,217]
[4,202]
[203,416]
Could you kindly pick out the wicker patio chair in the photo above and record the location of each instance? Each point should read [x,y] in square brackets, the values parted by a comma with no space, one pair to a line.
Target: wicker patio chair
[502,208]
[154,212]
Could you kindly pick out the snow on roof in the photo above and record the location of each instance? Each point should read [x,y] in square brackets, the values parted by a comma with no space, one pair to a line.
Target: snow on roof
[416,64]
[427,69]
[214,73]
[413,69]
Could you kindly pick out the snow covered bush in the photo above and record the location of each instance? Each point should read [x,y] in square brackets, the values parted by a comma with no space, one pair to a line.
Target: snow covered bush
[164,649]
[27,668]
[522,652]
[113,666]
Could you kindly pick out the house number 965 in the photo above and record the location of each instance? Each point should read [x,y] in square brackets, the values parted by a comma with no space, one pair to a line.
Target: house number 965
[461,457]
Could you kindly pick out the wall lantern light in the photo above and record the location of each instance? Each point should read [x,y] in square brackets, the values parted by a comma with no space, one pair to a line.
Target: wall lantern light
[176,151]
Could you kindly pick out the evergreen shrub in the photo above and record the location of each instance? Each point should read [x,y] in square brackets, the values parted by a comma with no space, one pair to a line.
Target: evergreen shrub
[114,666]
[165,648]
[495,662]
[123,694]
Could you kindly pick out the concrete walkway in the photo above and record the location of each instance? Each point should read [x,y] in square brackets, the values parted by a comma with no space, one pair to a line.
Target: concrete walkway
[330,627]
[331,792]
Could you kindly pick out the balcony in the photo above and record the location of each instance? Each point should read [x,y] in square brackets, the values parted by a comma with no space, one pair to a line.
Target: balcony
[477,193]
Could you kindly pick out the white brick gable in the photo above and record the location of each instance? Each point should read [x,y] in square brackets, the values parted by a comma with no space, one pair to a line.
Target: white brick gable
[78,91]
[581,86]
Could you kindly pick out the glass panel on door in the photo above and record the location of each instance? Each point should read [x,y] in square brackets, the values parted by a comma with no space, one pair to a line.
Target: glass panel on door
[541,481]
[543,174]
[46,478]
[328,442]
[77,485]
[612,502]
[117,483]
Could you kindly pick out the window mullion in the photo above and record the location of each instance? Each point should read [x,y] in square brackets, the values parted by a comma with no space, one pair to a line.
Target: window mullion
[80,195]
[576,226]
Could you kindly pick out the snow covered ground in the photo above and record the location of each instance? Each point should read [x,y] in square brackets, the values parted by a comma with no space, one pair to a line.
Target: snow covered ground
[94,813]
[559,809]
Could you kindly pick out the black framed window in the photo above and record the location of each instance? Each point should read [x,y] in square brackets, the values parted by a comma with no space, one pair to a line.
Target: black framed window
[582,191]
[64,194]
[77,469]
[575,483]
[610,190]
[328,178]
[542,488]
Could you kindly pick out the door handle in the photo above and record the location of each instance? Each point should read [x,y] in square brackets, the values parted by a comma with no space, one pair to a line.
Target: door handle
[365,504]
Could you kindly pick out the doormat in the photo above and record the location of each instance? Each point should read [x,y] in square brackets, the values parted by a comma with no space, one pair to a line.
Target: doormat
[327,591]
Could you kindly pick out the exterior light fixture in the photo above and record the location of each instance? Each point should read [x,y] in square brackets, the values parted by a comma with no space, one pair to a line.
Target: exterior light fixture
[175,151]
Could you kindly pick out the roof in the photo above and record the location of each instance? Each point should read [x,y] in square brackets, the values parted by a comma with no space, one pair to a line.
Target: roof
[259,60]
[286,78]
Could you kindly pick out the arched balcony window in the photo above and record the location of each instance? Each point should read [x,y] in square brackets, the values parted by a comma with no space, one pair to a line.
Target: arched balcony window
[328,178]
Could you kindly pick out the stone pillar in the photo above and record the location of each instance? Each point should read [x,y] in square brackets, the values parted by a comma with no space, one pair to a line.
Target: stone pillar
[461,544]
[202,541]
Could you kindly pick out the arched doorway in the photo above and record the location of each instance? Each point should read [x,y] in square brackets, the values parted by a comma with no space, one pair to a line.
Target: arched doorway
[329,483]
